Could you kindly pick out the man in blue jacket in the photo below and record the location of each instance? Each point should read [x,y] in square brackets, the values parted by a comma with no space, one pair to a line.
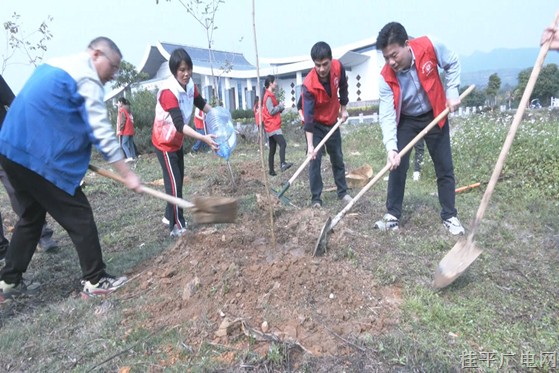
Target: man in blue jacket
[45,148]
[46,242]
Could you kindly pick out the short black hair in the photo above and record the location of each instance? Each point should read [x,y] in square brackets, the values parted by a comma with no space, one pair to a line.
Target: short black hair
[122,100]
[256,99]
[320,51]
[179,55]
[391,33]
[102,40]
[269,80]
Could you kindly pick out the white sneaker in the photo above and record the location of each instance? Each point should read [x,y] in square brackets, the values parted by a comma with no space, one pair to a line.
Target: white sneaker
[176,232]
[453,226]
[416,175]
[128,160]
[388,223]
[165,221]
[347,198]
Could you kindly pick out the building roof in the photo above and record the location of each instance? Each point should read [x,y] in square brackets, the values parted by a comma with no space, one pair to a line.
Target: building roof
[359,46]
[155,55]
[201,57]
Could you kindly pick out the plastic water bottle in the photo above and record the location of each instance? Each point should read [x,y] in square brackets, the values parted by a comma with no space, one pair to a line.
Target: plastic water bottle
[220,124]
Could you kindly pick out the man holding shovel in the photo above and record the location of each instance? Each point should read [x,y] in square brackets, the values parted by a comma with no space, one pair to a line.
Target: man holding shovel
[411,96]
[45,148]
[321,107]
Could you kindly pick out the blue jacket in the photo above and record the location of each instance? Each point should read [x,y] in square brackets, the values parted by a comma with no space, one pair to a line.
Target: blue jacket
[55,119]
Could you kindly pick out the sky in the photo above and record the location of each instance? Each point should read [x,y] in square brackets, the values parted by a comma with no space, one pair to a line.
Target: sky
[284,28]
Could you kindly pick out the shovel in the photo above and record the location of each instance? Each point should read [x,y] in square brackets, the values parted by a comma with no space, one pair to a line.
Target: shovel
[302,167]
[464,253]
[205,210]
[322,241]
[472,186]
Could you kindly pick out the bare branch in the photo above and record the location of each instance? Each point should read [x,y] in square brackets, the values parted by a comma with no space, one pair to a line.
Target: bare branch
[260,129]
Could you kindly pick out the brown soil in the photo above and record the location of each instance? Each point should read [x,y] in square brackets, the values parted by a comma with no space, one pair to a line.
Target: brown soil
[232,272]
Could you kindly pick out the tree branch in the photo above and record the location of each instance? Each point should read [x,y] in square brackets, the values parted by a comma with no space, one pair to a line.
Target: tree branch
[260,129]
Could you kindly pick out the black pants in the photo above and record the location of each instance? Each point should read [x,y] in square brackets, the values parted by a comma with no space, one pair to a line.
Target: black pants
[172,164]
[18,209]
[419,153]
[334,147]
[38,196]
[438,144]
[276,140]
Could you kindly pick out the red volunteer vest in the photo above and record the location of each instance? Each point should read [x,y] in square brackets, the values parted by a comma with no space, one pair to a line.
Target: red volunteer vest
[256,114]
[271,122]
[326,108]
[426,66]
[129,125]
[165,137]
[199,123]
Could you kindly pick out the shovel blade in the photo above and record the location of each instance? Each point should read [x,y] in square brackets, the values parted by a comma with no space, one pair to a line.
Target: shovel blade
[322,242]
[213,210]
[283,199]
[455,262]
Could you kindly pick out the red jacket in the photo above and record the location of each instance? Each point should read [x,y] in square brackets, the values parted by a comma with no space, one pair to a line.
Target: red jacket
[271,122]
[199,123]
[128,129]
[426,66]
[326,108]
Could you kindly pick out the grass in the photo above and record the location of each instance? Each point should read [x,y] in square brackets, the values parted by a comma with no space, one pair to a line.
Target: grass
[505,303]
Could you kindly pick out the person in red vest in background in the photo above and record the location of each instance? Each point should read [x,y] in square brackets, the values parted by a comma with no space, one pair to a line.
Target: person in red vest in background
[411,96]
[125,125]
[271,117]
[321,108]
[256,109]
[199,118]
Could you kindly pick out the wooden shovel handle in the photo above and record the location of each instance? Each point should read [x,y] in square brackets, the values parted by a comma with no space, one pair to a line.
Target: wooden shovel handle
[510,137]
[320,145]
[152,192]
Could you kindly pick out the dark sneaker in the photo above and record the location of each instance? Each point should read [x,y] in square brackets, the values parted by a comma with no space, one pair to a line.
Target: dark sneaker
[106,285]
[12,291]
[285,166]
[273,173]
[46,244]
[388,223]
[316,205]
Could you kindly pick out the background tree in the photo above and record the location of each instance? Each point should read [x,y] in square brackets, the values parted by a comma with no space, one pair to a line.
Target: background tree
[33,46]
[493,87]
[204,11]
[547,85]
[476,98]
[128,76]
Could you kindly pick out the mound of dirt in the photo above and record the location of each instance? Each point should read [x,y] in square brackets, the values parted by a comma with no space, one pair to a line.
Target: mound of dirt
[214,278]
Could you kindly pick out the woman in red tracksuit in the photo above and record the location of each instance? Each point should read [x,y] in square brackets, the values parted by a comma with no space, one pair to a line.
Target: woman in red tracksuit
[271,117]
[175,101]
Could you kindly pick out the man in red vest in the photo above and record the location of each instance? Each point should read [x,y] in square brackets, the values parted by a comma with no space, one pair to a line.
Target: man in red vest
[411,96]
[321,107]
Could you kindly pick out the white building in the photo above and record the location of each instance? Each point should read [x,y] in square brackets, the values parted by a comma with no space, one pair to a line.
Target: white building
[237,77]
